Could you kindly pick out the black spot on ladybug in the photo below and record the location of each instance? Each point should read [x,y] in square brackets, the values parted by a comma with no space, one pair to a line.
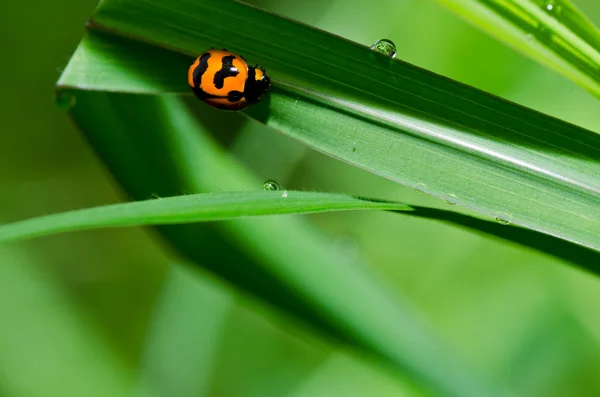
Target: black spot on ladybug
[201,69]
[228,70]
[235,96]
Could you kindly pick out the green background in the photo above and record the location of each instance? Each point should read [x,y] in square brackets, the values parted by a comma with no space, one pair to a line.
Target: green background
[107,313]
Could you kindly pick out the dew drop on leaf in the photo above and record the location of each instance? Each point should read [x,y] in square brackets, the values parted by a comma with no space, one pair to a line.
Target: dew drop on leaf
[385,46]
[502,221]
[451,200]
[271,185]
[552,6]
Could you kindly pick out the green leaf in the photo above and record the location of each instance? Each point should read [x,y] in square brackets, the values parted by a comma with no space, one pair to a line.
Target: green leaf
[553,32]
[189,209]
[154,146]
[384,115]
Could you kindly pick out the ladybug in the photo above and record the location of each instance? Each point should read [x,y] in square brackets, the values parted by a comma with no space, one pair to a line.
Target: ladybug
[224,80]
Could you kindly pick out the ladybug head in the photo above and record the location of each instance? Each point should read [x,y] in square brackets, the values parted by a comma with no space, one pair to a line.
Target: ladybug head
[264,80]
[257,85]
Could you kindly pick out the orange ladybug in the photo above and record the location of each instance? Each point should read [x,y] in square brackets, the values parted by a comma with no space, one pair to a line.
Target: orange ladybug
[224,80]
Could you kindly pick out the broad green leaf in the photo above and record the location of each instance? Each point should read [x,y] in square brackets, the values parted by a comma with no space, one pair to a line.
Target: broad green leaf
[553,32]
[154,145]
[386,116]
[205,207]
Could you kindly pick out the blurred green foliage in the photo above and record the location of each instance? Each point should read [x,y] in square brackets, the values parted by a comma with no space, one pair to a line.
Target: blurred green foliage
[109,313]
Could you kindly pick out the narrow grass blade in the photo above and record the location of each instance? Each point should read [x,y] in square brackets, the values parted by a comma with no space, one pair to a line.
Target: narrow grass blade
[205,207]
[210,207]
[553,32]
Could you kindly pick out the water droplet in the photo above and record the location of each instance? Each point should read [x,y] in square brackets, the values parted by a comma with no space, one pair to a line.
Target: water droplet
[502,221]
[451,200]
[385,46]
[65,99]
[284,194]
[552,6]
[271,185]
[354,147]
